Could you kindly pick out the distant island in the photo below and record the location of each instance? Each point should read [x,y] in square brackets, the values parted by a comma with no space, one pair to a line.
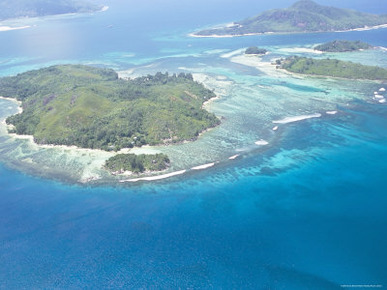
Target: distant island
[342,46]
[255,50]
[37,8]
[302,17]
[332,68]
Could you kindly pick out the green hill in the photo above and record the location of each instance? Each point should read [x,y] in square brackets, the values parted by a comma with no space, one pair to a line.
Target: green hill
[303,16]
[333,68]
[92,108]
[35,8]
[342,46]
[137,163]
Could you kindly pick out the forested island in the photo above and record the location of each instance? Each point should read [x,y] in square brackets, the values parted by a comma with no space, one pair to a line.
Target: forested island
[36,8]
[255,50]
[332,68]
[121,163]
[302,17]
[93,108]
[342,46]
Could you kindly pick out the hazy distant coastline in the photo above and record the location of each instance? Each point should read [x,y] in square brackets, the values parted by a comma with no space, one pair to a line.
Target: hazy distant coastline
[365,28]
[39,8]
[304,16]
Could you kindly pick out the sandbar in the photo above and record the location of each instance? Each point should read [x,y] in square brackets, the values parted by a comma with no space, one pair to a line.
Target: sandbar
[261,142]
[157,177]
[204,166]
[8,28]
[287,120]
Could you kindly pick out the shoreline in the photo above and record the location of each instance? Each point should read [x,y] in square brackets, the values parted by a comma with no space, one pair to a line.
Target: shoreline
[21,18]
[99,152]
[9,28]
[365,28]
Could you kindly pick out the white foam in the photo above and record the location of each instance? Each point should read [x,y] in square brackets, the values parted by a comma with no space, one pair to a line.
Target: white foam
[382,90]
[261,142]
[275,128]
[233,157]
[157,177]
[104,8]
[296,118]
[331,112]
[379,97]
[204,166]
[382,101]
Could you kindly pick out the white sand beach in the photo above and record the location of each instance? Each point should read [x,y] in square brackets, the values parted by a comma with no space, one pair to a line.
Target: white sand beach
[300,50]
[157,177]
[8,28]
[20,109]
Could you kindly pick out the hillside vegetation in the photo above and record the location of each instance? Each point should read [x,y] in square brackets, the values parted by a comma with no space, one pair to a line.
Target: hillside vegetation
[137,163]
[36,8]
[303,16]
[92,108]
[255,50]
[333,68]
[342,46]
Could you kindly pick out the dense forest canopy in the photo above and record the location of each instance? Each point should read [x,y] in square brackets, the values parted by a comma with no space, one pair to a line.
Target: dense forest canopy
[255,50]
[342,46]
[93,108]
[137,163]
[333,68]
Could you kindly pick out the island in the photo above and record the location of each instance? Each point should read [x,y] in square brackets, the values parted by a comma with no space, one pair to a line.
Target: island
[133,163]
[92,107]
[332,68]
[38,8]
[343,46]
[302,17]
[255,50]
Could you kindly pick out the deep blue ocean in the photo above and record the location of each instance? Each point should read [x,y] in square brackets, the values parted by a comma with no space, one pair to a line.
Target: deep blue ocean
[307,213]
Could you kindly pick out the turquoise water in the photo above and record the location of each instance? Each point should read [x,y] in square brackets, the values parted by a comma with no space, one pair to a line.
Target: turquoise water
[305,212]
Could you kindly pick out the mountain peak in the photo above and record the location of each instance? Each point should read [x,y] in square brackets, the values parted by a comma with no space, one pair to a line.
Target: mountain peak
[305,5]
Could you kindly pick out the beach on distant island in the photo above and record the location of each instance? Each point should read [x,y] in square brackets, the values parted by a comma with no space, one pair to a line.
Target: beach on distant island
[365,28]
[8,28]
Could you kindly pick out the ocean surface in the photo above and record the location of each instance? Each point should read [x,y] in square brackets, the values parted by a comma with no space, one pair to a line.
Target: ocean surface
[302,206]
